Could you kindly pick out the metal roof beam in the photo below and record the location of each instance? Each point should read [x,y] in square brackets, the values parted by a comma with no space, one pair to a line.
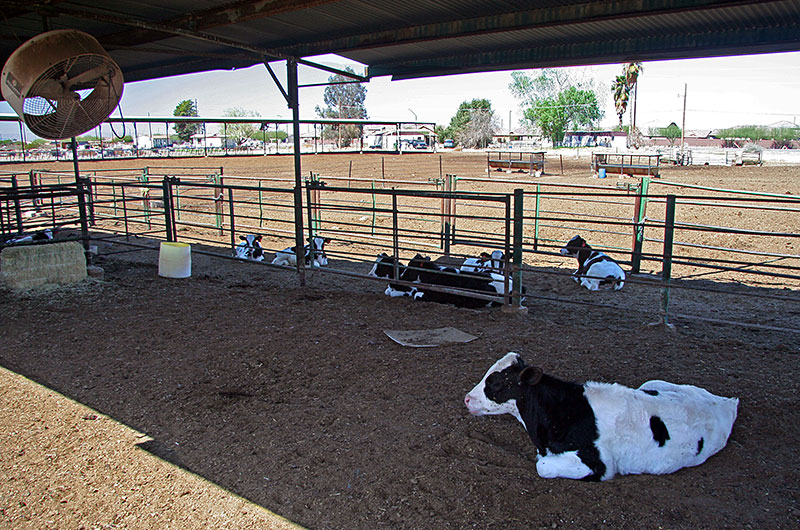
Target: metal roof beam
[210,18]
[504,22]
[259,53]
[654,47]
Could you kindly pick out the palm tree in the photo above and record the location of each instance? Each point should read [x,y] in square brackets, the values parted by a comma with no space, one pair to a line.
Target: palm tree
[621,94]
[632,71]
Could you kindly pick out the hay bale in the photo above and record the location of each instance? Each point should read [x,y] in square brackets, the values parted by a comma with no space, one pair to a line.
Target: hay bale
[28,266]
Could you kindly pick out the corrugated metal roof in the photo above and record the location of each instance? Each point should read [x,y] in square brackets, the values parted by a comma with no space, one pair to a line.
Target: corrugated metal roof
[422,38]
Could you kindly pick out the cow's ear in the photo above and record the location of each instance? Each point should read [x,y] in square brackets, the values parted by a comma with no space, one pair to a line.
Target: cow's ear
[531,375]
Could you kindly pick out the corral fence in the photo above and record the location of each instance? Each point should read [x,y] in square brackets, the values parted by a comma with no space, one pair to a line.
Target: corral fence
[653,235]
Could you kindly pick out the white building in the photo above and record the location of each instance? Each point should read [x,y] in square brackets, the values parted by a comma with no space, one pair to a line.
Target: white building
[201,141]
[156,141]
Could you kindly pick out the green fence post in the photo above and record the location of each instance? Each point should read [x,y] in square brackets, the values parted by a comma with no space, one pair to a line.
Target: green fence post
[177,201]
[114,195]
[666,270]
[373,207]
[218,200]
[260,205]
[311,224]
[519,210]
[452,188]
[639,211]
[536,219]
[167,209]
[144,178]
[448,215]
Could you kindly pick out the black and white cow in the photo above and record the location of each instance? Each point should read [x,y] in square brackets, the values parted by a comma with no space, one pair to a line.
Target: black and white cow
[596,430]
[485,263]
[595,269]
[423,270]
[249,248]
[384,268]
[42,235]
[288,256]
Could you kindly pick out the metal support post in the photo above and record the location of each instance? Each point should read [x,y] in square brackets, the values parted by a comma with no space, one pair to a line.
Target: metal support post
[666,271]
[294,104]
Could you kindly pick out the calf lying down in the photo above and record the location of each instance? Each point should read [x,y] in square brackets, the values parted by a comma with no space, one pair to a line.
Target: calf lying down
[249,248]
[421,270]
[597,430]
[313,253]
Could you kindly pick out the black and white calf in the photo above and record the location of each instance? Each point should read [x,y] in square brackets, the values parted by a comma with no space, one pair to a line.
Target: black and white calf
[249,248]
[595,269]
[595,430]
[384,268]
[288,256]
[423,270]
[42,235]
[485,263]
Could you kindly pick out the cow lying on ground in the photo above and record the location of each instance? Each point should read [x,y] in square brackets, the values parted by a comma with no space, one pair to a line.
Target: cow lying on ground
[595,269]
[485,263]
[249,248]
[597,430]
[288,256]
[423,270]
[384,268]
[42,235]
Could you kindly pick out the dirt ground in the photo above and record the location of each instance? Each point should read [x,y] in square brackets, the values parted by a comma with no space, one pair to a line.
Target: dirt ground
[293,398]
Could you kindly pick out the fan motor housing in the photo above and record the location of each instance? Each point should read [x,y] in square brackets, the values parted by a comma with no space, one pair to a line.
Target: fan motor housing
[46,61]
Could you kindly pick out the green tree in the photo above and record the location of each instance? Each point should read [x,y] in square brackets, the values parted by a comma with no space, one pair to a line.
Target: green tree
[570,109]
[556,100]
[240,132]
[187,107]
[473,125]
[784,137]
[671,132]
[35,144]
[343,100]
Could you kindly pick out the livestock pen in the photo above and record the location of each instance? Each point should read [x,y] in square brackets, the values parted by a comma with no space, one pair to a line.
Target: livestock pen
[453,218]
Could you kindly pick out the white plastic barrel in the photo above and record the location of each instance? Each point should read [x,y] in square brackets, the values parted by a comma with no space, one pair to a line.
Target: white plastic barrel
[175,260]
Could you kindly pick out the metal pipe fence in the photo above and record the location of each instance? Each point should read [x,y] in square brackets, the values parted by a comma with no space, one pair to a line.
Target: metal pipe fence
[753,240]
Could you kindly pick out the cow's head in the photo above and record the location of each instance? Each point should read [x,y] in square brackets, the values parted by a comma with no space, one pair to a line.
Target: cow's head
[416,266]
[317,244]
[495,261]
[502,386]
[253,250]
[574,246]
[384,267]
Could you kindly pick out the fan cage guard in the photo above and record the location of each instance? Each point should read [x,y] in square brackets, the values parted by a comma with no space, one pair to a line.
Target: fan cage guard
[64,118]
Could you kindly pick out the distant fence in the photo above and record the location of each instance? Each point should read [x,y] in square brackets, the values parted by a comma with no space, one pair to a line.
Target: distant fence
[646,231]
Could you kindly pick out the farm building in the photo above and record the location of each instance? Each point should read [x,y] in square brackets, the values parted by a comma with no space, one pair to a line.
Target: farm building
[214,141]
[155,141]
[410,137]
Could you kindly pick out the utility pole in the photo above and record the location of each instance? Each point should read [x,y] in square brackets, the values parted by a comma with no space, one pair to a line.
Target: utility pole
[683,125]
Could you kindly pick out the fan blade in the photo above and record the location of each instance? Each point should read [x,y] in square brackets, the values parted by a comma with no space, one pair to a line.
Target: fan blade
[88,77]
[53,89]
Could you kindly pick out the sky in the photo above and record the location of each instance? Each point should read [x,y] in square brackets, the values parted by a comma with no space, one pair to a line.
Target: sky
[720,92]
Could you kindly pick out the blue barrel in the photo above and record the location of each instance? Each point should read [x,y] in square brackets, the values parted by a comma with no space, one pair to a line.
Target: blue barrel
[602,173]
